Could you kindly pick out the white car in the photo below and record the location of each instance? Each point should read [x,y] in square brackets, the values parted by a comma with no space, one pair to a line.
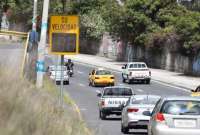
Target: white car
[58,73]
[136,71]
[133,114]
[111,99]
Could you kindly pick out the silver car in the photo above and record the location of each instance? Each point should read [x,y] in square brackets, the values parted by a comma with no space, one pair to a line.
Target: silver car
[175,116]
[133,114]
[58,73]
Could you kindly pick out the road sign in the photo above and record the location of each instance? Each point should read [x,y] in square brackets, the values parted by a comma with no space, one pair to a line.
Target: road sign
[64,35]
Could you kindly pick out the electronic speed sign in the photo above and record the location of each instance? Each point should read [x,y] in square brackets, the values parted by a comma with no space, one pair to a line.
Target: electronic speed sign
[64,35]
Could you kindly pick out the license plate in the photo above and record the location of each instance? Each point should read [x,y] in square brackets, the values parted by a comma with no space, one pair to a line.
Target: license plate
[185,123]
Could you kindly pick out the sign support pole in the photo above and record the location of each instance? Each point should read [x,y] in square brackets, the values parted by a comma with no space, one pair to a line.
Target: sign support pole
[62,79]
[42,45]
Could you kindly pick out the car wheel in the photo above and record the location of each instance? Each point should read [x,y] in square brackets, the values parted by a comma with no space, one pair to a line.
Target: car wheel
[93,84]
[90,84]
[123,79]
[129,81]
[66,82]
[102,115]
[124,130]
[147,81]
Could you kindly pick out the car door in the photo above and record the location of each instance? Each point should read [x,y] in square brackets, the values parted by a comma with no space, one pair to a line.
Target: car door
[154,112]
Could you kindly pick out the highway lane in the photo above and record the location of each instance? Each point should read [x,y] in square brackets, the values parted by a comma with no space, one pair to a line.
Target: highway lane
[86,99]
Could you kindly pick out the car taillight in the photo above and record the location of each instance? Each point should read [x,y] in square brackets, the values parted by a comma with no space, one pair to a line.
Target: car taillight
[96,77]
[129,110]
[159,117]
[130,73]
[149,73]
[102,103]
[112,77]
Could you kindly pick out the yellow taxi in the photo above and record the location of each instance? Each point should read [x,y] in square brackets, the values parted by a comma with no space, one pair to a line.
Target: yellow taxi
[101,77]
[196,92]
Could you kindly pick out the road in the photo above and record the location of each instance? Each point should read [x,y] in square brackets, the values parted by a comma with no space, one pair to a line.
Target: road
[86,99]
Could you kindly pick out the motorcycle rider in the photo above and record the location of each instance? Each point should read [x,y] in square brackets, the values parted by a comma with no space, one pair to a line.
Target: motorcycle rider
[69,66]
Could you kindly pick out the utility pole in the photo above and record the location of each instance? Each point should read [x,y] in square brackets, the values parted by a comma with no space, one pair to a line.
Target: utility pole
[42,44]
[34,15]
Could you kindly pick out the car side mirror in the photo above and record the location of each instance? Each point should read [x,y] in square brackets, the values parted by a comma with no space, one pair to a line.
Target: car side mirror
[193,91]
[98,93]
[147,113]
[122,106]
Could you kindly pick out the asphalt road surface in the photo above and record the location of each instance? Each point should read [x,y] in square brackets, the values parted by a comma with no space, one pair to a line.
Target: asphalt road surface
[85,97]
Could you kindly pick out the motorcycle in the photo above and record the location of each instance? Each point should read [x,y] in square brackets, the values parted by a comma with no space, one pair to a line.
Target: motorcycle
[70,72]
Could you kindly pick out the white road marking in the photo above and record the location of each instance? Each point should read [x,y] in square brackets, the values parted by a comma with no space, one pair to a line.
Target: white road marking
[79,72]
[82,85]
[139,90]
[83,109]
[168,85]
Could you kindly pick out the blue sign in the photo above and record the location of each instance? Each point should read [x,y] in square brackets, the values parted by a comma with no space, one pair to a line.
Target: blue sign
[40,66]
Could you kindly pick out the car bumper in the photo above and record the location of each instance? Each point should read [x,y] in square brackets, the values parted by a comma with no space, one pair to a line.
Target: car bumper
[137,121]
[165,130]
[112,110]
[140,124]
[140,78]
[104,82]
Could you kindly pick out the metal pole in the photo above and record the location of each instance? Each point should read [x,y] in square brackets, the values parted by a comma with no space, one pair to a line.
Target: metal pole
[62,79]
[42,44]
[34,15]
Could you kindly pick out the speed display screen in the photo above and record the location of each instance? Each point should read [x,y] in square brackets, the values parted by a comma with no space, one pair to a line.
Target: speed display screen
[64,42]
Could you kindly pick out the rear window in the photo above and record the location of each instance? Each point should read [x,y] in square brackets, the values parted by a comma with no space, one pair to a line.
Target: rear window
[145,100]
[103,72]
[118,92]
[137,66]
[181,108]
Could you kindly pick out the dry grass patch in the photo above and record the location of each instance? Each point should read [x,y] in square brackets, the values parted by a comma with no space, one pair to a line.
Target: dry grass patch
[25,110]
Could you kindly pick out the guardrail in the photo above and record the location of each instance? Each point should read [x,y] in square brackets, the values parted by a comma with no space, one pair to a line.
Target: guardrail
[13,33]
[19,34]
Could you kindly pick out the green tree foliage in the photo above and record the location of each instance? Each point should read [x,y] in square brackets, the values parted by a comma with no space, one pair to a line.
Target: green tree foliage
[141,22]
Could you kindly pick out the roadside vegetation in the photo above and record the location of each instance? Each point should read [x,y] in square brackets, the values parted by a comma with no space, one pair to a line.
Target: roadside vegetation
[26,110]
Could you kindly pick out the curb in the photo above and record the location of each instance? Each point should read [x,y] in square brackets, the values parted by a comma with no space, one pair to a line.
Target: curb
[155,80]
[77,110]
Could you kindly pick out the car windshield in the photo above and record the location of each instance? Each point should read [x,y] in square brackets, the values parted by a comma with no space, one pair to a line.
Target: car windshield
[103,72]
[118,92]
[181,107]
[144,100]
[137,66]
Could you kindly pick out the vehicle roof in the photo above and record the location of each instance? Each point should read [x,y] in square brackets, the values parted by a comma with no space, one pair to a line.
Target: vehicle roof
[181,98]
[117,87]
[136,63]
[150,96]
[100,69]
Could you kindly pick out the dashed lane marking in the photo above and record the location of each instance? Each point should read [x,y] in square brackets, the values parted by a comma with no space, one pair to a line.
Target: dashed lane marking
[139,90]
[82,85]
[80,72]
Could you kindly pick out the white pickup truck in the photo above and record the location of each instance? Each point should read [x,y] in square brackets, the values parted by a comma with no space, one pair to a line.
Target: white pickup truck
[111,100]
[136,71]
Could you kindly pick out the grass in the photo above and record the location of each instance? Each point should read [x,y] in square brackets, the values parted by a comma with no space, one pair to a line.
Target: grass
[26,110]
